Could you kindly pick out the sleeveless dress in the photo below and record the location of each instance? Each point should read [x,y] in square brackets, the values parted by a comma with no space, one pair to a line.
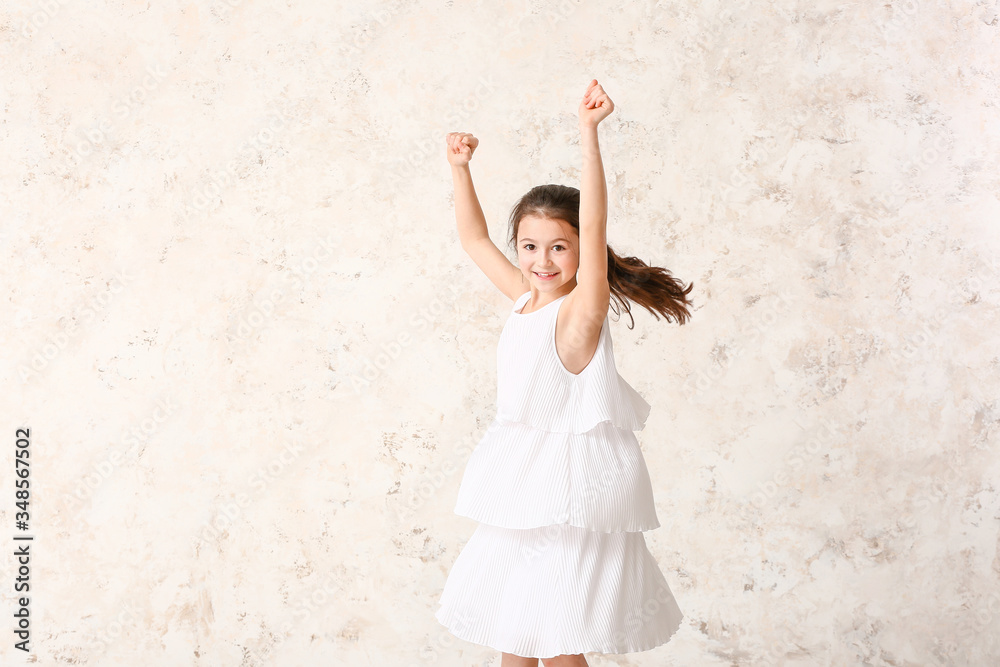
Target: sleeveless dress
[558,563]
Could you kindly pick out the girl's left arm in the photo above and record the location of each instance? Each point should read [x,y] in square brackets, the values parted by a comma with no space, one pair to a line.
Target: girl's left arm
[592,276]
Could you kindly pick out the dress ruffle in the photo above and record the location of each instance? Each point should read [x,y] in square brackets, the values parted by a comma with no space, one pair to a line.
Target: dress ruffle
[582,405]
[524,477]
[549,397]
[555,590]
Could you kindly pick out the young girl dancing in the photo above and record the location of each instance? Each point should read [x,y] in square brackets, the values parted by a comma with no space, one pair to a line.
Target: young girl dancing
[558,565]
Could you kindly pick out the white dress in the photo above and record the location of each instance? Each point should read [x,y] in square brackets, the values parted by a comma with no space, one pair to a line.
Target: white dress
[559,486]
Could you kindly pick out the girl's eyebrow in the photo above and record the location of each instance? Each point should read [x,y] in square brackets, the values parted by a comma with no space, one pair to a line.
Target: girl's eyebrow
[553,240]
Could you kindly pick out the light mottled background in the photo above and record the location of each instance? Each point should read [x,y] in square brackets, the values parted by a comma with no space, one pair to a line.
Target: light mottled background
[253,356]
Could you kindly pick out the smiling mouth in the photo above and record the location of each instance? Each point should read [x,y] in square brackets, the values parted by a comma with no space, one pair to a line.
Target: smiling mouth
[545,275]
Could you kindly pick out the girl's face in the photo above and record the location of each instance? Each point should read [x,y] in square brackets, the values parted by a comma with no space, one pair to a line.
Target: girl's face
[548,253]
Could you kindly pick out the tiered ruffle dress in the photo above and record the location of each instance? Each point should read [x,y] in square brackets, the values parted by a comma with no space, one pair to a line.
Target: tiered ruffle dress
[559,486]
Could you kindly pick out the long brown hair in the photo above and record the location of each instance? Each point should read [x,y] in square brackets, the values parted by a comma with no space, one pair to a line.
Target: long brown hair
[630,278]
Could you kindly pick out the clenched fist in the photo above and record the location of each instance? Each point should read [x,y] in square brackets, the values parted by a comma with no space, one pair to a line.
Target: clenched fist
[461,146]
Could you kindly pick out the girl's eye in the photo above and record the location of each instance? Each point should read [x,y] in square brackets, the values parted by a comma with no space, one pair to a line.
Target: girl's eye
[557,246]
[528,246]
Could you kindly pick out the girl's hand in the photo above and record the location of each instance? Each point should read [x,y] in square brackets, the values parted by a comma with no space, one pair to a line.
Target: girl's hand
[461,145]
[596,105]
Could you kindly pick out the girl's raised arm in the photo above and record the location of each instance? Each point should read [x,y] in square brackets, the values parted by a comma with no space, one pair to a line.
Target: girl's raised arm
[472,230]
[593,292]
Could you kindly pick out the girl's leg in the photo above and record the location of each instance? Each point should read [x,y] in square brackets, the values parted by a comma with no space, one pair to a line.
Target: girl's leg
[566,661]
[511,660]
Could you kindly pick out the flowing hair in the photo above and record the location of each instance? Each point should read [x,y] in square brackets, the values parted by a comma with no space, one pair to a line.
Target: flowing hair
[630,278]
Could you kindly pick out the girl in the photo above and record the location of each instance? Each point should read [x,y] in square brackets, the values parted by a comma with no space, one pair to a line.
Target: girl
[558,565]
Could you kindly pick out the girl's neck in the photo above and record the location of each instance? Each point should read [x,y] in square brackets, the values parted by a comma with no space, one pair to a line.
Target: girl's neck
[539,299]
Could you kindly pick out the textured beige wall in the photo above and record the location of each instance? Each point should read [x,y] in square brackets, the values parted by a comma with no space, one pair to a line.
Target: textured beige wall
[253,356]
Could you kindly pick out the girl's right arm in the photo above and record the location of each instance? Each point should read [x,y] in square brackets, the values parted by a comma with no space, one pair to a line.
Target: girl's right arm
[472,230]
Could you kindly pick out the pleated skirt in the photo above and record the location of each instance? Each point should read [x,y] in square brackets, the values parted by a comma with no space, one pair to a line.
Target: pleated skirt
[558,589]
